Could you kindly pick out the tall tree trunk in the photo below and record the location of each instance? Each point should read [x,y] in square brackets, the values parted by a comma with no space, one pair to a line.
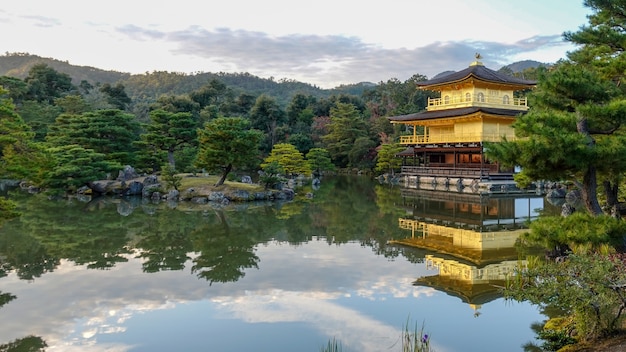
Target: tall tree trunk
[170,159]
[589,187]
[224,174]
[589,192]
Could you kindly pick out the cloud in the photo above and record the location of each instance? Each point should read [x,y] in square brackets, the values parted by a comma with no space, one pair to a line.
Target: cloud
[332,59]
[42,21]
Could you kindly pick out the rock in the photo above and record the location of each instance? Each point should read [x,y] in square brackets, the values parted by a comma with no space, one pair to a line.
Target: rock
[556,193]
[128,173]
[173,195]
[155,196]
[246,179]
[149,190]
[199,200]
[216,196]
[150,180]
[309,195]
[289,193]
[567,210]
[134,188]
[573,197]
[239,195]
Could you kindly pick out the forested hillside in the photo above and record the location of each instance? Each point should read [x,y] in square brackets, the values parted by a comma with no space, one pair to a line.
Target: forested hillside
[63,125]
[147,87]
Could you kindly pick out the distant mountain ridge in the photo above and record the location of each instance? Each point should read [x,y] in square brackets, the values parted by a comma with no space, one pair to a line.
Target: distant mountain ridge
[151,85]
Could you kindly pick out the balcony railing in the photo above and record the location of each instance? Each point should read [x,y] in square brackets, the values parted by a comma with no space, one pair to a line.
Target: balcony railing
[455,138]
[451,102]
[465,172]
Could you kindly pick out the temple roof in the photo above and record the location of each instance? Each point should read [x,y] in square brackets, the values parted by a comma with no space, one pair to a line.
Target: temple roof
[436,114]
[480,72]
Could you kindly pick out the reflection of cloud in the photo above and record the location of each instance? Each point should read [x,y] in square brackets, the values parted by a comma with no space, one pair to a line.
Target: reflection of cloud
[83,306]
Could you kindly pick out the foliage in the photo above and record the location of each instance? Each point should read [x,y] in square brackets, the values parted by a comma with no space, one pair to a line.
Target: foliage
[345,127]
[116,95]
[45,84]
[583,99]
[172,180]
[20,156]
[387,161]
[7,210]
[289,158]
[110,132]
[363,153]
[169,132]
[26,344]
[75,166]
[568,136]
[319,160]
[575,231]
[225,143]
[589,287]
[267,115]
[271,174]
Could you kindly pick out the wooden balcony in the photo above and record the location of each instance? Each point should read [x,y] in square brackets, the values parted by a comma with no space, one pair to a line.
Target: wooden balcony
[466,171]
[453,102]
[452,138]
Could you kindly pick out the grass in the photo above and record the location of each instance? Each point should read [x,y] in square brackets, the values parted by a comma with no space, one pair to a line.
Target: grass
[412,341]
[208,183]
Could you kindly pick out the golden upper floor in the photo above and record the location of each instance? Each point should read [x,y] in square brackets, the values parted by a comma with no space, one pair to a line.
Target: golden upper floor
[476,86]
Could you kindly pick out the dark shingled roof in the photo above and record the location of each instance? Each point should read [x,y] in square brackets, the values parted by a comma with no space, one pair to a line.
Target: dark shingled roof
[480,72]
[427,115]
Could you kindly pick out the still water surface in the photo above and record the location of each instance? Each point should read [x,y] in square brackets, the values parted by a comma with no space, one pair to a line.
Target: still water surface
[130,275]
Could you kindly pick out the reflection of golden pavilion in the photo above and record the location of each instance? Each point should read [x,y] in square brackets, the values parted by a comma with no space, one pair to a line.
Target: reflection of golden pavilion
[473,284]
[472,240]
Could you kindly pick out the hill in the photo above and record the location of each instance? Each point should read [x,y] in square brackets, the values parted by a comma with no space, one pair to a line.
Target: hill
[149,86]
[19,64]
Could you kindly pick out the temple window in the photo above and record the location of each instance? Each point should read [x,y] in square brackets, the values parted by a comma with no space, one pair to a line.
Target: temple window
[468,97]
[446,99]
[481,97]
[505,100]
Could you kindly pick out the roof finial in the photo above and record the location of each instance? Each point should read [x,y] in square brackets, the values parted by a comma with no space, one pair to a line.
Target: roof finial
[477,62]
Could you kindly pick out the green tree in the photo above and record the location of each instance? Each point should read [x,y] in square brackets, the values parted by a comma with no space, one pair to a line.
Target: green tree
[116,95]
[75,166]
[345,127]
[387,161]
[589,288]
[289,158]
[112,133]
[266,115]
[574,131]
[319,160]
[45,84]
[226,143]
[20,156]
[169,132]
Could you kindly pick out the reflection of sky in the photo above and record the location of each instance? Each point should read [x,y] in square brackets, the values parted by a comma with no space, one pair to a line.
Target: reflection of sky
[300,298]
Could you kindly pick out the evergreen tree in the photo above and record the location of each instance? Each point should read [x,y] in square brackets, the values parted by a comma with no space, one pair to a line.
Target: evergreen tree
[289,158]
[319,160]
[574,130]
[226,143]
[169,132]
[345,127]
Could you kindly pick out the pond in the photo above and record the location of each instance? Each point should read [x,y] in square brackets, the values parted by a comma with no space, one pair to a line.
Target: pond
[132,275]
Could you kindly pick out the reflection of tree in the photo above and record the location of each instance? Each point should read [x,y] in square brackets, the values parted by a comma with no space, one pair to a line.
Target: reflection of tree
[96,237]
[224,254]
[24,254]
[165,241]
[25,344]
[6,298]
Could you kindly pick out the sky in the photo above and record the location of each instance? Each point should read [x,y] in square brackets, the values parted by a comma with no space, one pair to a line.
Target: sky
[324,42]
